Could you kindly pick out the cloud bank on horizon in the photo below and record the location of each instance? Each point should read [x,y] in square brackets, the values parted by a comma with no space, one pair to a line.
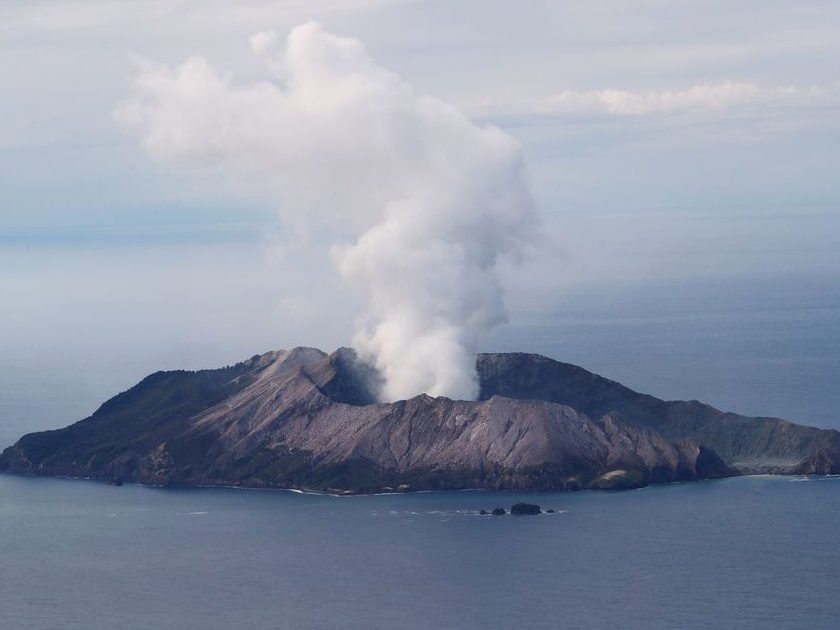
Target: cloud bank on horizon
[419,202]
[713,97]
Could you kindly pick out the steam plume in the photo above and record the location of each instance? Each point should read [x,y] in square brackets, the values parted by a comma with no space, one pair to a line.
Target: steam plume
[419,202]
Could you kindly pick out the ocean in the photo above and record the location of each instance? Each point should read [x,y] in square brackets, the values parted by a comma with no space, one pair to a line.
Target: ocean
[748,553]
[757,552]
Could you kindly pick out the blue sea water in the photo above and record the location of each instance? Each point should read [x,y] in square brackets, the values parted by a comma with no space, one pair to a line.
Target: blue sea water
[755,552]
[745,553]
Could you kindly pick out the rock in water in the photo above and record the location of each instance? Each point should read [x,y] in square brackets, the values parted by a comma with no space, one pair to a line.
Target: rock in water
[304,419]
[525,509]
[498,512]
[619,480]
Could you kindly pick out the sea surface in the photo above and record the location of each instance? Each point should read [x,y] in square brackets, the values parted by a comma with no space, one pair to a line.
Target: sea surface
[757,552]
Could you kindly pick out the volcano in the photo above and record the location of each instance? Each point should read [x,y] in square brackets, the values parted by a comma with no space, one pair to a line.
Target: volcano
[305,419]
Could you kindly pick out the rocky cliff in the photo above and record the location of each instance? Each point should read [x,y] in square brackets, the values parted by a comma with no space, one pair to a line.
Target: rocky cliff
[750,445]
[305,419]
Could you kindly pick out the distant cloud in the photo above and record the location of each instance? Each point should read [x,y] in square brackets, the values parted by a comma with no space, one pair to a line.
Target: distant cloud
[715,97]
[263,42]
[71,15]
[55,16]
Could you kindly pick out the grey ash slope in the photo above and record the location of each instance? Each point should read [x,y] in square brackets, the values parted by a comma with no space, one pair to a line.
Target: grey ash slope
[305,419]
[751,445]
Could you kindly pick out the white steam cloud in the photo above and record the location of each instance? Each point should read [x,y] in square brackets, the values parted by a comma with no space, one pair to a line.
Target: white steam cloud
[419,202]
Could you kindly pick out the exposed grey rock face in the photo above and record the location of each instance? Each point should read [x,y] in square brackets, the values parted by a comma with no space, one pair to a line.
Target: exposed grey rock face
[751,445]
[305,419]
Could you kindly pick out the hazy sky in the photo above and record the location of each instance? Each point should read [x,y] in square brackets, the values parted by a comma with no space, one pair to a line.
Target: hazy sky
[662,139]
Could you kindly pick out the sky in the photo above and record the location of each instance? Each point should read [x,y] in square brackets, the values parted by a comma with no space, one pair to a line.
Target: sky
[661,141]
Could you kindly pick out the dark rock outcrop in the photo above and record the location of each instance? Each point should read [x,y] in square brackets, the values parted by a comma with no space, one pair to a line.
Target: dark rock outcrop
[305,419]
[525,509]
[619,480]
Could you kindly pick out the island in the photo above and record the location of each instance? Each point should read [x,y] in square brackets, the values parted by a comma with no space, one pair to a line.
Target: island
[304,419]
